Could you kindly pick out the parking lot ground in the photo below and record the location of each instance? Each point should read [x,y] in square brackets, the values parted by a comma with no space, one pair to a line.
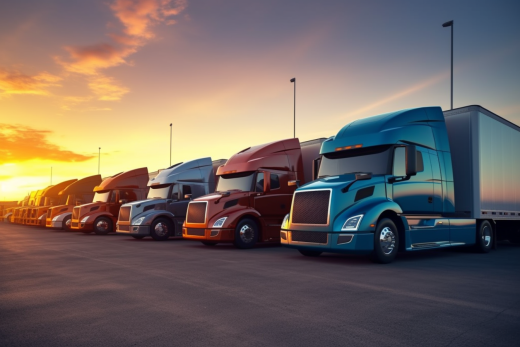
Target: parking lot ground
[65,288]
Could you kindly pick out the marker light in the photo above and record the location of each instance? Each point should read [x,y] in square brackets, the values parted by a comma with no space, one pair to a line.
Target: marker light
[219,222]
[352,223]
[348,147]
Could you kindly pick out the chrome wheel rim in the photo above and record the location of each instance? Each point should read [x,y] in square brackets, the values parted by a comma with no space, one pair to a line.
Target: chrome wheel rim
[247,233]
[102,225]
[161,229]
[387,240]
[486,236]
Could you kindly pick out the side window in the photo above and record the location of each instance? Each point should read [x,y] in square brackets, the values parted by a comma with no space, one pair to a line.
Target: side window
[424,169]
[113,196]
[186,190]
[127,195]
[420,162]
[399,168]
[275,182]
[259,186]
[175,192]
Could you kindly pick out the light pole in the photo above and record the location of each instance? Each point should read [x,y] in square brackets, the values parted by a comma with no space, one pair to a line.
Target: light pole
[99,161]
[170,144]
[293,80]
[450,24]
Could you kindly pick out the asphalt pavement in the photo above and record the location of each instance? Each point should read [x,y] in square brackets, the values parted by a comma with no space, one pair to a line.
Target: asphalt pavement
[70,289]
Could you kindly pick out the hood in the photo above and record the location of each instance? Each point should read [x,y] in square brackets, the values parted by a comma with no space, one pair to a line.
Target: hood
[92,207]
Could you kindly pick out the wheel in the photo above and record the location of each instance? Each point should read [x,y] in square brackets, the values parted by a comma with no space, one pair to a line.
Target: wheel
[138,237]
[386,242]
[161,229]
[246,234]
[310,253]
[66,223]
[206,243]
[102,225]
[484,237]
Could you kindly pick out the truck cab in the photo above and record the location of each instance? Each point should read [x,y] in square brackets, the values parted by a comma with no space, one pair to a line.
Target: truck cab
[386,183]
[50,197]
[20,214]
[77,193]
[162,214]
[253,194]
[101,215]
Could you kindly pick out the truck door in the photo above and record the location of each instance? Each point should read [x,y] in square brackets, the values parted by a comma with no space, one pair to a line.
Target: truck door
[272,201]
[179,205]
[113,203]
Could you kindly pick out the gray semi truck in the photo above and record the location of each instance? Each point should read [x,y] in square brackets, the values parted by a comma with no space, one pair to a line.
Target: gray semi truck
[162,214]
[411,180]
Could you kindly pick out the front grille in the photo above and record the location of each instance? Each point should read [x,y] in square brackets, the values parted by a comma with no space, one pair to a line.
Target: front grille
[75,213]
[74,225]
[311,207]
[196,232]
[124,213]
[196,212]
[309,236]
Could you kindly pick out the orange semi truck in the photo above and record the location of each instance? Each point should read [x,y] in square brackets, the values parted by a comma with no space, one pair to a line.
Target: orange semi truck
[78,193]
[50,197]
[20,213]
[101,215]
[253,194]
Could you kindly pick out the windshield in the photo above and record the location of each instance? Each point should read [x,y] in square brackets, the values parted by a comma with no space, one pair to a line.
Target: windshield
[372,159]
[101,197]
[159,192]
[238,181]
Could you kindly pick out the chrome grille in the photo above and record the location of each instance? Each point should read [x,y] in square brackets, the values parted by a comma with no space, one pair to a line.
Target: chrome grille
[124,213]
[197,212]
[75,213]
[309,236]
[311,207]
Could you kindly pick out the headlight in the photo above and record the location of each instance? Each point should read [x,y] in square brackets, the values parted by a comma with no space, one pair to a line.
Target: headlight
[285,223]
[138,221]
[352,223]
[55,218]
[84,219]
[219,222]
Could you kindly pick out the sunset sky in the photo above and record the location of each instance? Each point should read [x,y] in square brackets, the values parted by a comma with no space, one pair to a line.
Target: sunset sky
[79,75]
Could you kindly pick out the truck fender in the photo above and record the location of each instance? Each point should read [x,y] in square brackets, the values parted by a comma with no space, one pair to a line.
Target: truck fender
[61,217]
[92,217]
[234,217]
[150,217]
[371,209]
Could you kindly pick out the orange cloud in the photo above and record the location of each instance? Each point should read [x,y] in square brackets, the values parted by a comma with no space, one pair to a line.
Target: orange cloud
[106,88]
[138,16]
[21,143]
[15,82]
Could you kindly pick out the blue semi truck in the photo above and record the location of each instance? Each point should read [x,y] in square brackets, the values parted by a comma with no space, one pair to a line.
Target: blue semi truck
[410,180]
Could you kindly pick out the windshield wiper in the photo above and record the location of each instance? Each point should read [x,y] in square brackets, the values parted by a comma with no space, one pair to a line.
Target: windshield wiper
[360,176]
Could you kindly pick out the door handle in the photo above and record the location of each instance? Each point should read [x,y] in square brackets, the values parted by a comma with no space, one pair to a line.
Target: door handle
[430,199]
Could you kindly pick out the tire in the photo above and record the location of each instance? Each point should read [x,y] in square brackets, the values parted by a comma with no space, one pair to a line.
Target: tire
[138,237]
[484,241]
[206,243]
[386,242]
[161,229]
[310,253]
[246,234]
[66,223]
[102,225]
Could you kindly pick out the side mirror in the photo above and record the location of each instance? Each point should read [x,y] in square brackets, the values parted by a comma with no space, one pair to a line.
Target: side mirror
[187,196]
[123,201]
[294,183]
[316,167]
[411,160]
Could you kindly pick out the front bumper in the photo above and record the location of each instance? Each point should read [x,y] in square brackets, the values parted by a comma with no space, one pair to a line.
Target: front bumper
[335,242]
[142,230]
[77,225]
[212,235]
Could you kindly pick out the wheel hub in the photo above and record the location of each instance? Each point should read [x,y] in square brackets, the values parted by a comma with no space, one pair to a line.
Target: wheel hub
[387,240]
[486,236]
[247,234]
[161,229]
[102,225]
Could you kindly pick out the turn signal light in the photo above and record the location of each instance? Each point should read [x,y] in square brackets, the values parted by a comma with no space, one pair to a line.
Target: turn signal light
[228,172]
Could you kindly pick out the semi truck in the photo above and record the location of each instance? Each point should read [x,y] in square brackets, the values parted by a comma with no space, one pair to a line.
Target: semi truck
[20,214]
[253,194]
[78,193]
[101,215]
[411,180]
[50,197]
[6,208]
[161,216]
[14,214]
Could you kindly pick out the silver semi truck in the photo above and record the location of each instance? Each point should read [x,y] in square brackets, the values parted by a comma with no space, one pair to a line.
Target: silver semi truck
[161,216]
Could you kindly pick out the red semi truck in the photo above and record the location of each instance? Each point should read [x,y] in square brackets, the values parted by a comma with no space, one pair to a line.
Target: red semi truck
[253,194]
[50,197]
[101,215]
